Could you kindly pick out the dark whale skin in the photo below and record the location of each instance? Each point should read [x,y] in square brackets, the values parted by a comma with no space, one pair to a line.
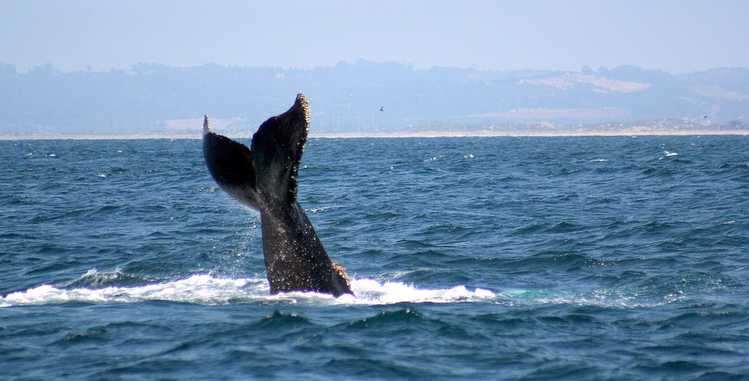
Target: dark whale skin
[264,177]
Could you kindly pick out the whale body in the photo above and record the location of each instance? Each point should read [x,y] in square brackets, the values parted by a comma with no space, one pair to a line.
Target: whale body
[264,177]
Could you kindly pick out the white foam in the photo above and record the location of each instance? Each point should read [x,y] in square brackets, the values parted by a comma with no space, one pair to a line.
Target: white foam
[318,210]
[369,291]
[202,289]
[206,289]
[607,298]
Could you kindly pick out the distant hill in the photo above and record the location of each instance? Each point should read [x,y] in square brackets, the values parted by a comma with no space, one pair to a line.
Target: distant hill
[362,97]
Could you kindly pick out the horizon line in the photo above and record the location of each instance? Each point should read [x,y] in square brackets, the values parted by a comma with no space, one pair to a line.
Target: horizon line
[414,67]
[391,135]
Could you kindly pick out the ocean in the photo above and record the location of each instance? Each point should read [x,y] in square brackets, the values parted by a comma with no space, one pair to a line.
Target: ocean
[579,258]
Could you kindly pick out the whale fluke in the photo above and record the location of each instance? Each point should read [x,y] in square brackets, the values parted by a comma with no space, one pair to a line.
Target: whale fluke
[230,163]
[264,177]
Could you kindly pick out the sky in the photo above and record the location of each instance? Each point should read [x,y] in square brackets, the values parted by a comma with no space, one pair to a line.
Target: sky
[675,36]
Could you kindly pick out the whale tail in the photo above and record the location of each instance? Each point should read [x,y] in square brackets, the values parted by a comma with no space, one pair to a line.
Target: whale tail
[266,172]
[264,177]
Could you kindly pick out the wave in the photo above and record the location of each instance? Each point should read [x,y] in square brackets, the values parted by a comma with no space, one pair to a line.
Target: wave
[210,290]
[206,289]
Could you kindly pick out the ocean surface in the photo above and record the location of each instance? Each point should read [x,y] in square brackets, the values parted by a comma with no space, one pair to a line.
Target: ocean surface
[472,259]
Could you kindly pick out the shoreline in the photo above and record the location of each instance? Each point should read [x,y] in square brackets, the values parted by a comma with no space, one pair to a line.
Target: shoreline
[392,135]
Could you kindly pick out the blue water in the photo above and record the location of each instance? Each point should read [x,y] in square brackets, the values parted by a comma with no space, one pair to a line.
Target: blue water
[472,258]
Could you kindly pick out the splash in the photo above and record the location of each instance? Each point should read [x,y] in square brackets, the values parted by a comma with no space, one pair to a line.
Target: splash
[209,290]
[372,292]
[202,289]
[206,289]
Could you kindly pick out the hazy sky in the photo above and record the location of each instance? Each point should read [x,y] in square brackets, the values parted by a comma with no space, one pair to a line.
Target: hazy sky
[674,35]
